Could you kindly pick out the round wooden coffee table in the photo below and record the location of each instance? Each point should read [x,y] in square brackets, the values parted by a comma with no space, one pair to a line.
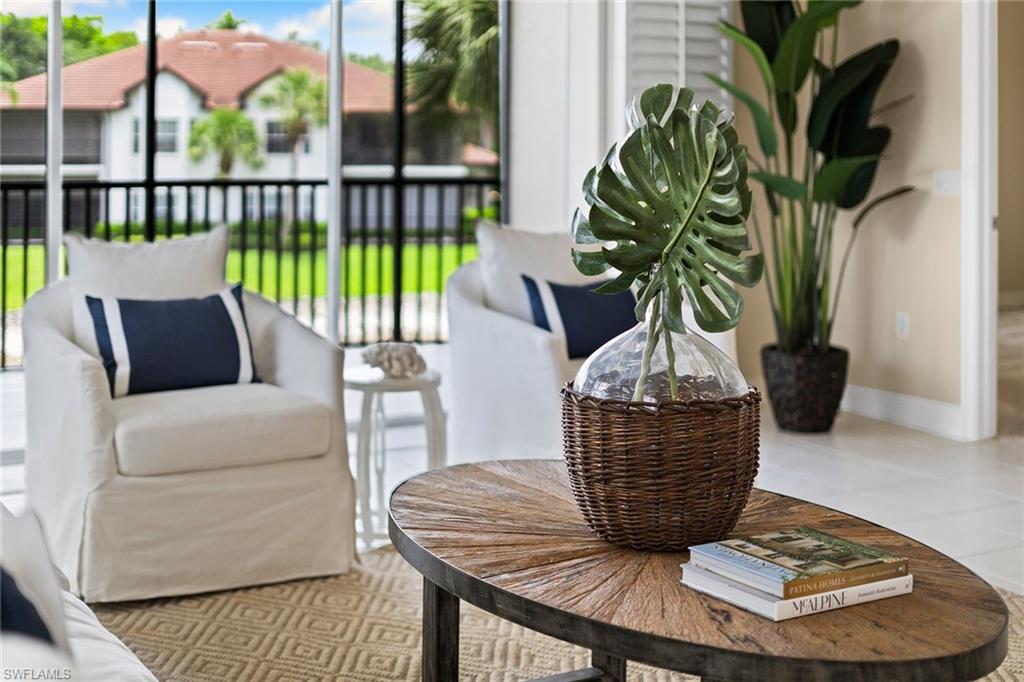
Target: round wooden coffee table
[507,537]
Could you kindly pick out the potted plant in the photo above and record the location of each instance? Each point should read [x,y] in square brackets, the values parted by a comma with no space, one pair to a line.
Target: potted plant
[806,185]
[660,428]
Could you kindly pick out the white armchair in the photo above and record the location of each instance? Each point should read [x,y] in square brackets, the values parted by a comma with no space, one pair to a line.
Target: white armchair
[506,375]
[188,491]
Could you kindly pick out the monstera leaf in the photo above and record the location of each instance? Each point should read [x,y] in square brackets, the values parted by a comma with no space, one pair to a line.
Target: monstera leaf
[669,205]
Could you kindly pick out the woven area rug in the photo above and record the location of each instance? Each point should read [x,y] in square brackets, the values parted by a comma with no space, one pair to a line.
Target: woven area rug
[360,626]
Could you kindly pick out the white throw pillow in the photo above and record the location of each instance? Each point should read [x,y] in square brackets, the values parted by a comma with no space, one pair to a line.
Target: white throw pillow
[507,254]
[191,267]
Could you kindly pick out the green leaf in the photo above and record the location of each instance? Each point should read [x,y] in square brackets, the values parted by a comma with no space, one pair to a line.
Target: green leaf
[781,184]
[795,54]
[580,231]
[607,226]
[852,120]
[766,21]
[616,286]
[881,199]
[762,120]
[833,176]
[796,51]
[630,258]
[848,77]
[785,104]
[871,143]
[828,18]
[589,263]
[760,59]
[655,101]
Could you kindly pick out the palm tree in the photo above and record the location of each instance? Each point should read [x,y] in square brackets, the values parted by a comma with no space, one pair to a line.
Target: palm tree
[301,98]
[8,74]
[459,61]
[227,21]
[229,134]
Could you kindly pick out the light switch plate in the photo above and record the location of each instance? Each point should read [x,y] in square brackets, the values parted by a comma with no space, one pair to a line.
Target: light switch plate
[946,183]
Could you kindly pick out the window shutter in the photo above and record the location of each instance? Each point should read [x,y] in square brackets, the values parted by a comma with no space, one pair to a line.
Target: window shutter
[677,41]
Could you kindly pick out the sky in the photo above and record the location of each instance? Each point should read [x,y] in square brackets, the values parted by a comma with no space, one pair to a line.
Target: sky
[368,24]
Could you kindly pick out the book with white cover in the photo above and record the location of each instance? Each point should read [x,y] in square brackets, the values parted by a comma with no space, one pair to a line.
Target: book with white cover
[768,605]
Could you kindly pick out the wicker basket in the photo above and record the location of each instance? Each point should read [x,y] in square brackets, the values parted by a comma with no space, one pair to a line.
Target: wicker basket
[661,477]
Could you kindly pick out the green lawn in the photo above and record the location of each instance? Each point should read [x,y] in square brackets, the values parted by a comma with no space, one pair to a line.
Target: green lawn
[424,268]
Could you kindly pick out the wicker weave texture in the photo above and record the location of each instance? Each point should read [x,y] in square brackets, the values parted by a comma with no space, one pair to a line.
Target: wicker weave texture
[661,477]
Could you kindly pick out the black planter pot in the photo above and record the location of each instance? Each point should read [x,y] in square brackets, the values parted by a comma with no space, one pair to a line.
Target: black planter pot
[805,387]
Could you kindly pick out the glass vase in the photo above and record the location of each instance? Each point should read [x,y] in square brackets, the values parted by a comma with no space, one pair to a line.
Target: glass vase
[676,367]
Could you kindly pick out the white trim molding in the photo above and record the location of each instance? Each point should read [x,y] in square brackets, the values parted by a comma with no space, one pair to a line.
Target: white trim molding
[922,414]
[978,292]
[54,141]
[335,193]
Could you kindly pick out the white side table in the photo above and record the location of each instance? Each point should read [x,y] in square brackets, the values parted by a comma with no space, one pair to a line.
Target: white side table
[373,384]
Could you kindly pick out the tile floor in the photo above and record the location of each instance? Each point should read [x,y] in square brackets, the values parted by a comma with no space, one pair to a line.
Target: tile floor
[965,499]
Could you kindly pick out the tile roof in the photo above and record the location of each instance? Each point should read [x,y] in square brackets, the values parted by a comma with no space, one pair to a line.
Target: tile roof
[475,155]
[222,66]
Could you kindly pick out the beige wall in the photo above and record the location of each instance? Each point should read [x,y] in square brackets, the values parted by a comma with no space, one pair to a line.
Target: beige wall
[907,257]
[1011,154]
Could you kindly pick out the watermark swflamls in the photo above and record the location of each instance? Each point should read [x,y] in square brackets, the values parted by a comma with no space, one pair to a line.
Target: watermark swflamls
[31,674]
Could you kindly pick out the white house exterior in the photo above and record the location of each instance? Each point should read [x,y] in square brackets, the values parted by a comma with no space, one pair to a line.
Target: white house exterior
[105,99]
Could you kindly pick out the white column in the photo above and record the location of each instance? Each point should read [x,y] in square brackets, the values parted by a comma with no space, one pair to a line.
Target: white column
[979,246]
[54,140]
[334,181]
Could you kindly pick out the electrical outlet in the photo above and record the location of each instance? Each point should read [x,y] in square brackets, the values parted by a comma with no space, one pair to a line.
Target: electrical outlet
[902,325]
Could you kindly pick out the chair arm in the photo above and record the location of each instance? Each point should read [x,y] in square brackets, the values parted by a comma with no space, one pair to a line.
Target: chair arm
[499,346]
[290,355]
[70,422]
[506,376]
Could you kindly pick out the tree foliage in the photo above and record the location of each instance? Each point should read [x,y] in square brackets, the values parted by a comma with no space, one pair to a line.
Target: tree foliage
[23,43]
[301,97]
[458,65]
[227,21]
[229,135]
[372,61]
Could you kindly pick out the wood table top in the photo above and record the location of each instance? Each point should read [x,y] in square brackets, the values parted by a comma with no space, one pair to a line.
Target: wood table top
[507,537]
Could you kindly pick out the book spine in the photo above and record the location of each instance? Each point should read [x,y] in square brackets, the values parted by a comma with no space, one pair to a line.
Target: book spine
[837,599]
[803,587]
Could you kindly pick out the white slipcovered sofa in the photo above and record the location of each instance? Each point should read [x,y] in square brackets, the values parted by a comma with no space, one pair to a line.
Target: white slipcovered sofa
[191,490]
[506,371]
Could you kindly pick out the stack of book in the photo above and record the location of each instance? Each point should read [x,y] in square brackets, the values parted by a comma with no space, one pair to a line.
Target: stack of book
[795,572]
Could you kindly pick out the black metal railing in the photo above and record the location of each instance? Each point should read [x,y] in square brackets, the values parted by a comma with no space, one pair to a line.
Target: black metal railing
[396,251]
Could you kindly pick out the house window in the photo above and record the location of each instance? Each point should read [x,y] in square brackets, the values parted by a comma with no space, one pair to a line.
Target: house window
[167,135]
[277,139]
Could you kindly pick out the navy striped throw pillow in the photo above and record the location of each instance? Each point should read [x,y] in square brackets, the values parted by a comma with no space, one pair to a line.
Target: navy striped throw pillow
[586,319]
[149,346]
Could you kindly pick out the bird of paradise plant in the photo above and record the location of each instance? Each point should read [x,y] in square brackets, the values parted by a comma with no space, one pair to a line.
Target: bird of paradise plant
[795,46]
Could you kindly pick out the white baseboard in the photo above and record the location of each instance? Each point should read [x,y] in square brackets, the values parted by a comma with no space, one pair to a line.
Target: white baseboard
[1009,300]
[922,414]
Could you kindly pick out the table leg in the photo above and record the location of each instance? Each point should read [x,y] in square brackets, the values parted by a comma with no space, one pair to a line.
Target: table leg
[440,634]
[380,428]
[434,421]
[614,667]
[363,466]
